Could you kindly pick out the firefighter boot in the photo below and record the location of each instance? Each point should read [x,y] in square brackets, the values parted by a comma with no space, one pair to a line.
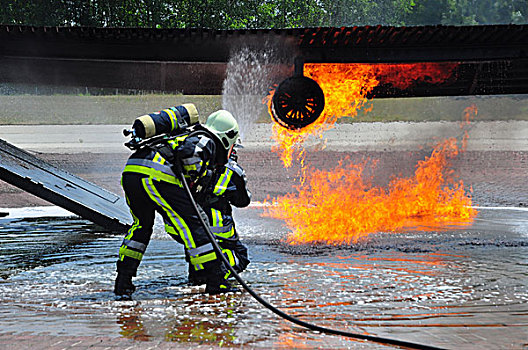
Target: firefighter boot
[196,278]
[123,285]
[217,284]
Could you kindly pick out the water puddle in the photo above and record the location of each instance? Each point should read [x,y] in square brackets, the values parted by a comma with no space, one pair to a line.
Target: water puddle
[421,285]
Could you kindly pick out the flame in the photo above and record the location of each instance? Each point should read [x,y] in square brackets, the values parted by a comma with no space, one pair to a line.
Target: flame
[403,76]
[469,114]
[340,206]
[346,87]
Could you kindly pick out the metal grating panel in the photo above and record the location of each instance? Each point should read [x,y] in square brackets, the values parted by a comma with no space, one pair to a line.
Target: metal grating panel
[61,188]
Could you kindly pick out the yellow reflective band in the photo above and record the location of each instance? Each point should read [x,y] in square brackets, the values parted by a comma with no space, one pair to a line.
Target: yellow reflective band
[223,181]
[175,142]
[155,174]
[176,220]
[170,229]
[172,232]
[125,251]
[230,256]
[203,259]
[135,226]
[172,117]
[131,232]
[189,168]
[217,217]
[227,234]
[214,217]
[158,158]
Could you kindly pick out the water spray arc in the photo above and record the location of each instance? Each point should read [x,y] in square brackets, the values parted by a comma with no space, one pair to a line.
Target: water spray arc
[249,74]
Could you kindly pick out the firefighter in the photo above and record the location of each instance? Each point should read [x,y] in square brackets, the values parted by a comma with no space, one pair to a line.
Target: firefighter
[227,188]
[151,185]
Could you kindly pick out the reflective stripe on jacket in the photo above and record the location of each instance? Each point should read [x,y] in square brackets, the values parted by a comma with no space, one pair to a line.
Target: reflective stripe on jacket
[195,151]
[230,188]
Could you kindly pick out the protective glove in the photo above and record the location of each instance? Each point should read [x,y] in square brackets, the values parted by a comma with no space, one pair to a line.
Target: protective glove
[123,285]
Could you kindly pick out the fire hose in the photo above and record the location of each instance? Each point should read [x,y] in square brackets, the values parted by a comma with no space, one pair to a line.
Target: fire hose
[272,308]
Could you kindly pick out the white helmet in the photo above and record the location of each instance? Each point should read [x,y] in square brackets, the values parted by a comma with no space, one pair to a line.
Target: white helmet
[224,126]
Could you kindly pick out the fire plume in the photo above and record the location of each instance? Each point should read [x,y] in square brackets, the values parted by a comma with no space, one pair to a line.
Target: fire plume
[469,114]
[346,87]
[403,76]
[340,206]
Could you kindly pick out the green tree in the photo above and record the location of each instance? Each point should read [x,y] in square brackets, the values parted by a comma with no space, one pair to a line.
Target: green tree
[427,12]
[473,12]
[234,14]
[366,12]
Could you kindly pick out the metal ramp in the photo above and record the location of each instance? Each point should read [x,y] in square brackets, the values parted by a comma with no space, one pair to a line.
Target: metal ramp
[81,197]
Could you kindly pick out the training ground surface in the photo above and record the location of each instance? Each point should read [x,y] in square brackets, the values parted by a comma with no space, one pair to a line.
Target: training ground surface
[494,165]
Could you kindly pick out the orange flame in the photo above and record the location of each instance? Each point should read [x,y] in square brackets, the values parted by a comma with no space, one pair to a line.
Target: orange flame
[346,87]
[403,76]
[339,206]
[469,114]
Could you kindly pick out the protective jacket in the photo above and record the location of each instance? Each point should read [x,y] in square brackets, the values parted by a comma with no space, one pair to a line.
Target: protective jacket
[151,185]
[229,187]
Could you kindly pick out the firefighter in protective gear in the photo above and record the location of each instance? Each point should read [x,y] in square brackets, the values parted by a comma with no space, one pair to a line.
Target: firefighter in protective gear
[227,188]
[151,185]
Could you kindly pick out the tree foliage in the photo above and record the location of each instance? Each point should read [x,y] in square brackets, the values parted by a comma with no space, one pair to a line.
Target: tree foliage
[249,14]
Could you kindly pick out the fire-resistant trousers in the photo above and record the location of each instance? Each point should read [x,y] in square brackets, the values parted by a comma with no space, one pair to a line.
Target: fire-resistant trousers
[145,196]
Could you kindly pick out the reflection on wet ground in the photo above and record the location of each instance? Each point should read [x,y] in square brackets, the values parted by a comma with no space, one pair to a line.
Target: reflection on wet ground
[456,287]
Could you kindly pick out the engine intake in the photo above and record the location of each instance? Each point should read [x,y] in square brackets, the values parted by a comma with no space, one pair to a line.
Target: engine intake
[297,102]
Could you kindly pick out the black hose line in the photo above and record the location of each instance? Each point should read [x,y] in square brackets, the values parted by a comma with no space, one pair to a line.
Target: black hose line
[280,313]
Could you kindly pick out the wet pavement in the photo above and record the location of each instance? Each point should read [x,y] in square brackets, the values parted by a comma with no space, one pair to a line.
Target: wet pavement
[454,287]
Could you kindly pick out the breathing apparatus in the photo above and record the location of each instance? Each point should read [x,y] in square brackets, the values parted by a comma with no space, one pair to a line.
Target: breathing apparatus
[153,128]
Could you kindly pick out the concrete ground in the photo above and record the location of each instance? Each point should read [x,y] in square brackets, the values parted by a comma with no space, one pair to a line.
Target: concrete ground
[37,342]
[397,136]
[97,154]
[495,164]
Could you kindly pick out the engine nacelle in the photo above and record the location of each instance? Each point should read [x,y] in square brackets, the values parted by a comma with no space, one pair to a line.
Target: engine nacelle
[297,102]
